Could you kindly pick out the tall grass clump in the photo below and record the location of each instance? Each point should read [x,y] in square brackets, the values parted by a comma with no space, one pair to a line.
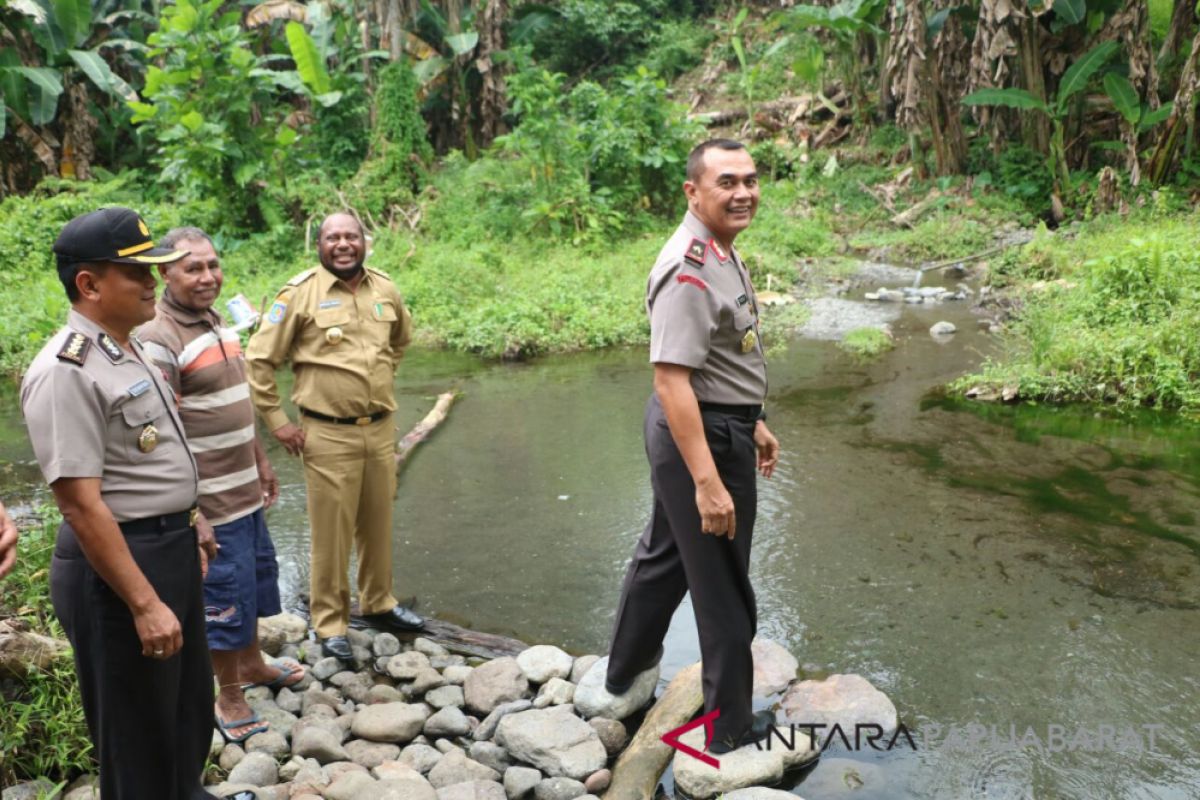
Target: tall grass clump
[1118,329]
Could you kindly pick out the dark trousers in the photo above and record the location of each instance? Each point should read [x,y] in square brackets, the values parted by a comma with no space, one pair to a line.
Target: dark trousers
[674,557]
[151,720]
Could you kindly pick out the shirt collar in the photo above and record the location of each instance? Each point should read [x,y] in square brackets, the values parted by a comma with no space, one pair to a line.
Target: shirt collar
[187,316]
[326,280]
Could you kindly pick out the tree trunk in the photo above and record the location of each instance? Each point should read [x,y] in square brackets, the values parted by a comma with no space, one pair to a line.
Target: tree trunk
[993,51]
[422,429]
[1181,28]
[1130,27]
[1030,56]
[1180,121]
[492,93]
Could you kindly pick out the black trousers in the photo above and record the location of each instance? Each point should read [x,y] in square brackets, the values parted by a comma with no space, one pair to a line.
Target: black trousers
[673,556]
[151,720]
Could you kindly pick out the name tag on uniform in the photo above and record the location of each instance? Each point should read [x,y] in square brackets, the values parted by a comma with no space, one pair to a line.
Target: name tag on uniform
[138,389]
[742,300]
[329,304]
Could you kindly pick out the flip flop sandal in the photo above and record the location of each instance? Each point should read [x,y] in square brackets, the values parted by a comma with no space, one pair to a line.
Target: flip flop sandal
[286,670]
[227,728]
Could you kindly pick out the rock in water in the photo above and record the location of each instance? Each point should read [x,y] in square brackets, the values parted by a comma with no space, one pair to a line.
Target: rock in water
[746,766]
[542,662]
[592,700]
[942,329]
[760,793]
[774,667]
[498,681]
[557,743]
[843,700]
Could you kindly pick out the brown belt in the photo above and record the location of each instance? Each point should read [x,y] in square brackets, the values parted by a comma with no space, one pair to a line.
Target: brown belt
[367,420]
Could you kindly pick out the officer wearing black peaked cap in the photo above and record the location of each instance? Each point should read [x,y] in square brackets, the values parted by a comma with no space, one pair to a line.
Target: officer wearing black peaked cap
[125,577]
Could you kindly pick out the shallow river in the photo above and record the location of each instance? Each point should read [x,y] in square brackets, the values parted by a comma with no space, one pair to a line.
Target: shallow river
[1024,570]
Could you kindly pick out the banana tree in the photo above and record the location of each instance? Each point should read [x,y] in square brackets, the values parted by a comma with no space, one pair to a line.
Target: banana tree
[1056,109]
[33,79]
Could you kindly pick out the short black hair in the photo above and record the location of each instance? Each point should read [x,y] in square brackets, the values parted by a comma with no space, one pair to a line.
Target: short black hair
[68,270]
[695,162]
[189,232]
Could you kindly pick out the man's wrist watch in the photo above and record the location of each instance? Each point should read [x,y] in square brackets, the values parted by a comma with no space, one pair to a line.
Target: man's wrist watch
[762,415]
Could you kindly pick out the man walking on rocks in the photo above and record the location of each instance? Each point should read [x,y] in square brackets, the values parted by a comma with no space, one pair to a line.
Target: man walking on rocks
[202,360]
[344,327]
[705,433]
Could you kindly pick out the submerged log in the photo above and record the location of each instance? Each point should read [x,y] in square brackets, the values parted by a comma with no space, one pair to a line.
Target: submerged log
[636,773]
[422,429]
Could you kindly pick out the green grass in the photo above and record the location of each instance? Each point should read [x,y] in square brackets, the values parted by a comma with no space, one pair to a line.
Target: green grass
[1119,329]
[867,343]
[44,733]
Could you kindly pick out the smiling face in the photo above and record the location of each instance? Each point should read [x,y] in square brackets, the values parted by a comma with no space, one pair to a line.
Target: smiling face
[195,280]
[341,246]
[121,296]
[725,196]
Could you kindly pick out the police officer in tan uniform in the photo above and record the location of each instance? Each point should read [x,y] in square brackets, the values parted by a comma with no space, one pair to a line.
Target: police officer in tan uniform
[705,434]
[126,573]
[344,328]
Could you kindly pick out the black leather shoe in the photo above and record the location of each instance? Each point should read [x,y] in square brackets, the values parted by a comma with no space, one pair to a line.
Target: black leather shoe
[760,729]
[338,647]
[398,619]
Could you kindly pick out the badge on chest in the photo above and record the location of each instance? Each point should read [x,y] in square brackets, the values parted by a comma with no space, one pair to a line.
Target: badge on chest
[148,439]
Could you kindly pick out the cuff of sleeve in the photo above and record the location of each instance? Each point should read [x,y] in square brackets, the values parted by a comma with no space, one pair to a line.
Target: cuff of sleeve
[72,468]
[276,419]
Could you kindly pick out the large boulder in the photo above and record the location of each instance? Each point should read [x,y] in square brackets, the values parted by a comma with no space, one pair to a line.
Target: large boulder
[746,766]
[774,667]
[498,681]
[842,700]
[542,662]
[390,722]
[553,740]
[593,700]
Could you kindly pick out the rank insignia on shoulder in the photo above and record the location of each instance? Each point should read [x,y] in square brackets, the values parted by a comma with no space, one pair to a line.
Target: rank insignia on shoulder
[110,347]
[693,280]
[75,348]
[721,254]
[696,251]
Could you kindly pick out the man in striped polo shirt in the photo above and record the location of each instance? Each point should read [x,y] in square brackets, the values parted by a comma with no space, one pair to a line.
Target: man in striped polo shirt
[203,361]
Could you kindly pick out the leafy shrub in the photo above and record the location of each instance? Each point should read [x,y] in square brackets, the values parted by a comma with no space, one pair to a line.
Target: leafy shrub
[678,45]
[44,733]
[218,132]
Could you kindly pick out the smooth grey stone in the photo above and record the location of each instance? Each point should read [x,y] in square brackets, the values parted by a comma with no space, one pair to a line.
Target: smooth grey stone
[273,743]
[487,728]
[420,757]
[612,734]
[557,743]
[490,755]
[350,786]
[444,696]
[288,700]
[581,666]
[542,662]
[256,769]
[405,666]
[519,782]
[390,722]
[385,644]
[558,789]
[231,756]
[593,700]
[371,754]
[450,721]
[472,790]
[456,674]
[311,741]
[429,647]
[455,767]
[498,681]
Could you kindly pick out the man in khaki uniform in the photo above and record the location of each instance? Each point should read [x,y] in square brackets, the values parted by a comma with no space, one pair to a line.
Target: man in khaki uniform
[705,433]
[132,549]
[344,328]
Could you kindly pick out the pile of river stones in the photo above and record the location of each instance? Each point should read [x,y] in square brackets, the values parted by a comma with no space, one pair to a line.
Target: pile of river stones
[417,722]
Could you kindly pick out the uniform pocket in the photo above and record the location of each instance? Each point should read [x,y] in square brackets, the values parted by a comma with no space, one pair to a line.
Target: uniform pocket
[221,606]
[743,319]
[140,422]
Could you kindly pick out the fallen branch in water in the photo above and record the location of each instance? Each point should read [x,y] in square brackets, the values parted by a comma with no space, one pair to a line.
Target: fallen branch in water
[422,429]
[638,769]
[22,650]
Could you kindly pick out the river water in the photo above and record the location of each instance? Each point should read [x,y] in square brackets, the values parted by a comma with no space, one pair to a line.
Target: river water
[1022,571]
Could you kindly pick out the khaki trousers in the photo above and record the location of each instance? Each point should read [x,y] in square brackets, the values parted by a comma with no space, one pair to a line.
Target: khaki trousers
[350,472]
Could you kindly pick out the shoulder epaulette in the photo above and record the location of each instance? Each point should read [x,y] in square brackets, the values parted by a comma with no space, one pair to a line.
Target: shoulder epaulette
[302,277]
[75,348]
[379,272]
[696,252]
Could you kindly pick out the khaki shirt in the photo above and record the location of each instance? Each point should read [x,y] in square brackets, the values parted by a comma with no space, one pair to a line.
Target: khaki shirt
[704,315]
[344,346]
[88,403]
